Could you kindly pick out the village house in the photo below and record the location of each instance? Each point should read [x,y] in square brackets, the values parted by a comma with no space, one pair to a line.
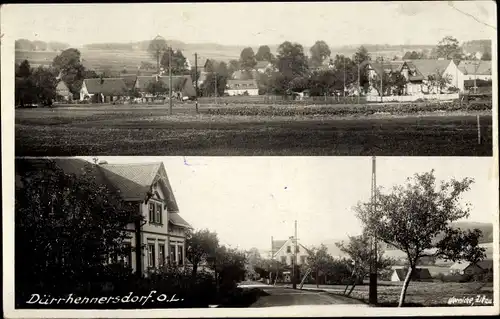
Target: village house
[429,68]
[408,70]
[242,87]
[468,268]
[420,274]
[182,85]
[162,233]
[283,251]
[103,90]
[473,70]
[63,94]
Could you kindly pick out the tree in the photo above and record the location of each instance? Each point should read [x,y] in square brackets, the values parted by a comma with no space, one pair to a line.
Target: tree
[397,83]
[45,85]
[291,61]
[319,260]
[234,65]
[66,227]
[343,65]
[24,69]
[200,245]
[223,70]
[323,82]
[156,48]
[212,82]
[69,65]
[157,88]
[438,80]
[319,52]
[264,54]
[412,216]
[247,59]
[359,250]
[179,62]
[361,55]
[448,48]
[229,266]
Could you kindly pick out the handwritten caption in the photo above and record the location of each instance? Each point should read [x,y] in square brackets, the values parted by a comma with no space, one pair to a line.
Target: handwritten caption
[130,298]
[479,300]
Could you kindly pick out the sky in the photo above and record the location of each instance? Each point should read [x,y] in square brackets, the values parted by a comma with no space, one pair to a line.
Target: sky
[337,23]
[246,200]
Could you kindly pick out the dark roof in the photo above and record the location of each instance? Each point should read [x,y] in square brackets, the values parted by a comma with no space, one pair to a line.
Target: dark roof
[106,86]
[182,83]
[420,273]
[485,264]
[129,80]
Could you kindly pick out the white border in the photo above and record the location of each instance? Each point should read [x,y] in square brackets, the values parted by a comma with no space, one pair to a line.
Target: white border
[7,112]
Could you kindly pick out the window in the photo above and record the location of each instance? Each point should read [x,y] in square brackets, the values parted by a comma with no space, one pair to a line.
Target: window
[172,254]
[158,213]
[180,255]
[151,213]
[161,254]
[151,255]
[302,259]
[283,259]
[288,249]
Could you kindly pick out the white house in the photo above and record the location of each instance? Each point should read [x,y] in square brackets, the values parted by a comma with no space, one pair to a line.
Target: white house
[242,87]
[433,67]
[283,251]
[473,70]
[162,232]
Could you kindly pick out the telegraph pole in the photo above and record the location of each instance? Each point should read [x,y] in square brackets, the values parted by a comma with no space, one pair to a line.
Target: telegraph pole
[196,79]
[170,78]
[359,83]
[374,260]
[382,81]
[215,75]
[294,272]
[343,58]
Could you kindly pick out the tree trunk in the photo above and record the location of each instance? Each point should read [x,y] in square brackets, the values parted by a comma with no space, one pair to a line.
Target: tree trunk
[352,288]
[405,285]
[317,279]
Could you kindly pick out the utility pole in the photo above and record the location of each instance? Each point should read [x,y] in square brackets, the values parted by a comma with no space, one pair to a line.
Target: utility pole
[196,79]
[359,83]
[374,260]
[170,78]
[294,271]
[215,75]
[382,81]
[343,59]
[272,259]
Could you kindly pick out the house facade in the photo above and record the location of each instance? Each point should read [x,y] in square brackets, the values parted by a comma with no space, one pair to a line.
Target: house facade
[473,70]
[283,251]
[242,87]
[162,233]
[103,90]
[468,268]
[63,93]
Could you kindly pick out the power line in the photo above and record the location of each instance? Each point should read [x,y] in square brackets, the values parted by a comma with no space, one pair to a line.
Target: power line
[470,15]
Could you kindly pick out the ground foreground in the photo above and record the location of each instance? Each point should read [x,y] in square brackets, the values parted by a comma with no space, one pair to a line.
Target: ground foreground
[143,130]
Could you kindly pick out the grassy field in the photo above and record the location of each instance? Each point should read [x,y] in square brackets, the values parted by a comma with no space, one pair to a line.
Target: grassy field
[418,293]
[150,130]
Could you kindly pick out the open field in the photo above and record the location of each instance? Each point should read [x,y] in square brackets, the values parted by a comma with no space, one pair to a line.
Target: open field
[418,293]
[150,130]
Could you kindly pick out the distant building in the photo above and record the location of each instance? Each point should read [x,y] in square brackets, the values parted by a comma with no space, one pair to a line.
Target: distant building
[283,251]
[468,268]
[445,68]
[102,90]
[263,66]
[420,274]
[182,85]
[473,70]
[63,93]
[242,87]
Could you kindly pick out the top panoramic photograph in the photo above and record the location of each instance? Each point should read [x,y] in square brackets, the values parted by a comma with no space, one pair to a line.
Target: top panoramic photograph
[213,79]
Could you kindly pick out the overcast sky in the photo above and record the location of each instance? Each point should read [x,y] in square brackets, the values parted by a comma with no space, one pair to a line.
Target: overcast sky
[337,23]
[246,200]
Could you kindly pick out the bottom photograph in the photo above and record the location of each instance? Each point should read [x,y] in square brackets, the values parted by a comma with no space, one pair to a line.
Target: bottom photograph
[253,232]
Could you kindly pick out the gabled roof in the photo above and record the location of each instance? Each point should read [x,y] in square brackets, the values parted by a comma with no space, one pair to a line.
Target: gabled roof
[106,86]
[485,264]
[182,83]
[278,245]
[61,86]
[420,273]
[475,67]
[431,67]
[462,265]
[177,220]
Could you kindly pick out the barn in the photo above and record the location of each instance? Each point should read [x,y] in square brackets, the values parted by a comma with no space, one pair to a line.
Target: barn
[420,274]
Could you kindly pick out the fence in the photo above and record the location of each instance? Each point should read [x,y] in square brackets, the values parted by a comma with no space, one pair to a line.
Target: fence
[281,100]
[413,98]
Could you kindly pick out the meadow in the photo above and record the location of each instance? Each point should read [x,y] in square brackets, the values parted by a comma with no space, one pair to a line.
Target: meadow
[150,130]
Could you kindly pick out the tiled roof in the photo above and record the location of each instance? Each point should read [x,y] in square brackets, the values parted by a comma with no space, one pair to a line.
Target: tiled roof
[430,67]
[460,265]
[486,264]
[475,67]
[182,83]
[420,273]
[177,220]
[132,180]
[106,86]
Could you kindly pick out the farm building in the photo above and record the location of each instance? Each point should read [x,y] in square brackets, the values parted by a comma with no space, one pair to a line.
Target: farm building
[282,251]
[129,80]
[63,93]
[242,87]
[468,268]
[182,85]
[103,90]
[421,274]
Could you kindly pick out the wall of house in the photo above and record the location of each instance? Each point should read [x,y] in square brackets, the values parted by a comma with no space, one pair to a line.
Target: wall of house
[455,74]
[232,92]
[287,255]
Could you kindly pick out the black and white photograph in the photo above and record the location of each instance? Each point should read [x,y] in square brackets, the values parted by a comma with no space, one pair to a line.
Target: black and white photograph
[211,79]
[179,232]
[250,159]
